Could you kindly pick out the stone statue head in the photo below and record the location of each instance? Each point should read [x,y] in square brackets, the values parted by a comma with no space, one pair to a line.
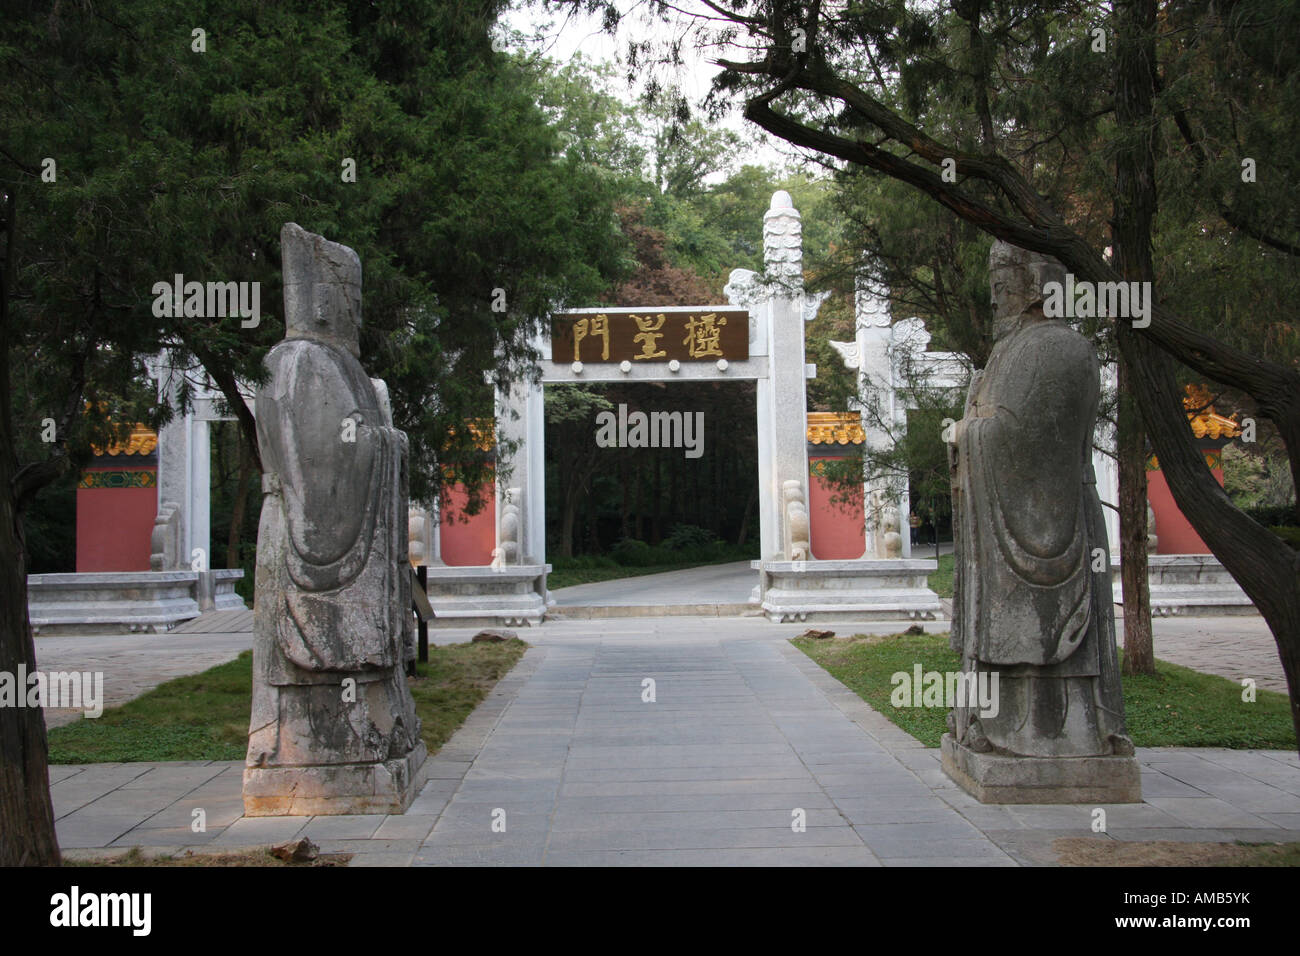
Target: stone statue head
[1016,281]
[322,288]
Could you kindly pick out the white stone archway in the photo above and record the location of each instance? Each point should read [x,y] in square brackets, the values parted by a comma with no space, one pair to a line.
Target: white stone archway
[791,583]
[777,309]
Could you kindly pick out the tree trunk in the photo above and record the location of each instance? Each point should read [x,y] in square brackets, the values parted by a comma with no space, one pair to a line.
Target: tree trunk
[744,518]
[1134,211]
[656,521]
[715,513]
[1131,440]
[240,505]
[26,812]
[27,836]
[674,473]
[593,515]
[697,499]
[640,498]
[624,516]
[566,522]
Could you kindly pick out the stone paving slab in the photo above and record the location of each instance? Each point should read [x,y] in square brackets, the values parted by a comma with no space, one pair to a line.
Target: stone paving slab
[744,732]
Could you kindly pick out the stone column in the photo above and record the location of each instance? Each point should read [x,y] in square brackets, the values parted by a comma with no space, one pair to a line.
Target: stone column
[881,412]
[173,458]
[199,504]
[782,398]
[520,417]
[435,531]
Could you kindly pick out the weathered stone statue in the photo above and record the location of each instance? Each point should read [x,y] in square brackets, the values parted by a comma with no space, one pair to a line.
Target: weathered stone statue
[333,726]
[1032,601]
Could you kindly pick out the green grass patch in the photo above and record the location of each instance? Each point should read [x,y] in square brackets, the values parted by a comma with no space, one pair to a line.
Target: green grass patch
[205,716]
[1076,851]
[941,579]
[456,678]
[199,717]
[1178,707]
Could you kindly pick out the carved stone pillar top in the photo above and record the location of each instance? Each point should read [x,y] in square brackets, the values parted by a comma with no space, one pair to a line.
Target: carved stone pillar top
[783,243]
[870,307]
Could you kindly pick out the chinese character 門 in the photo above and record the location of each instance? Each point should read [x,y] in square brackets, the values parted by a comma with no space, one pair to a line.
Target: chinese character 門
[597,325]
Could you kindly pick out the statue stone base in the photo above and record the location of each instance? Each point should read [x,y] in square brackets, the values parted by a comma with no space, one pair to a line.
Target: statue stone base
[998,778]
[387,787]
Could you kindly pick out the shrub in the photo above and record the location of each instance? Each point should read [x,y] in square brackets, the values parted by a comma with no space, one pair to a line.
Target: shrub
[689,537]
[1289,534]
[632,553]
[1271,515]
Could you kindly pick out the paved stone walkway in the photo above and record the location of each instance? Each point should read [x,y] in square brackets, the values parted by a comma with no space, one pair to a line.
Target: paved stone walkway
[744,732]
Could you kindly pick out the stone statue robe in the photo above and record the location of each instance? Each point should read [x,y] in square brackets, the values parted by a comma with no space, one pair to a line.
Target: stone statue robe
[1027,603]
[332,572]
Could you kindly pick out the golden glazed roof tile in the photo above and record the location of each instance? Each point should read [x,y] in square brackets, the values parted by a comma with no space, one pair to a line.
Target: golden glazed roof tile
[835,428]
[1207,423]
[142,441]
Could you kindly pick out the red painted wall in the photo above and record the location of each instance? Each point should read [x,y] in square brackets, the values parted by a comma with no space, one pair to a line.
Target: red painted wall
[114,526]
[838,531]
[467,541]
[1176,534]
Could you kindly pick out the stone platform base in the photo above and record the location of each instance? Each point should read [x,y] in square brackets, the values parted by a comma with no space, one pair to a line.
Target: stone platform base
[992,778]
[1188,584]
[585,612]
[513,596]
[866,589]
[122,602]
[387,787]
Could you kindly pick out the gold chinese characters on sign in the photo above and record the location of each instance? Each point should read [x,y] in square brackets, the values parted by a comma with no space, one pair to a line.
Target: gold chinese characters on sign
[650,335]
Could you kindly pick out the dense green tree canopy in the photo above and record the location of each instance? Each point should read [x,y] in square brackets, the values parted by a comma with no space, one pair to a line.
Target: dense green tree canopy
[178,154]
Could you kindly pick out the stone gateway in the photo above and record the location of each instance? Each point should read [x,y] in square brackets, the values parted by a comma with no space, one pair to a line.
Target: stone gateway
[1029,604]
[333,726]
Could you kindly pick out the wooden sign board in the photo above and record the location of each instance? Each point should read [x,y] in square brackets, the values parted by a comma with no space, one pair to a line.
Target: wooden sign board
[420,598]
[647,335]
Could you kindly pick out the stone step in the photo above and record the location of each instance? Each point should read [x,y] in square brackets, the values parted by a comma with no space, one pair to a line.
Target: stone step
[583,612]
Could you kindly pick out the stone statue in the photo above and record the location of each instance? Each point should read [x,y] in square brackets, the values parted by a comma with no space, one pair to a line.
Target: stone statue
[419,536]
[887,542]
[1028,606]
[165,539]
[333,726]
[889,534]
[798,528]
[508,534]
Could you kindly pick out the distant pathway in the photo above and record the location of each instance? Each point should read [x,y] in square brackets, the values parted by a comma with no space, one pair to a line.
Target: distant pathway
[729,583]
